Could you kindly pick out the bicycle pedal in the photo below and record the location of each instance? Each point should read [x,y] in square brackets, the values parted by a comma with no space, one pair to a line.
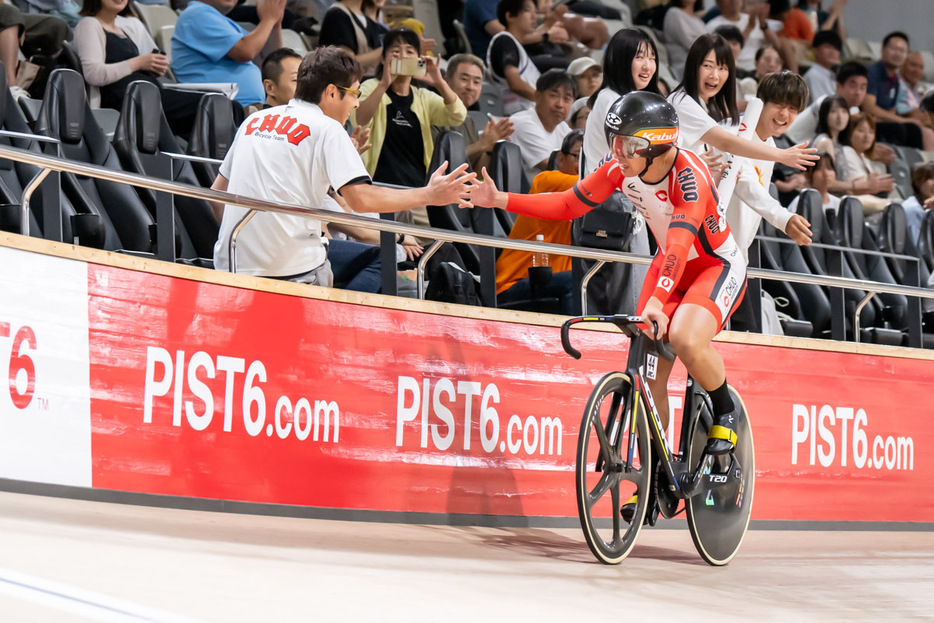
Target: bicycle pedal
[651,517]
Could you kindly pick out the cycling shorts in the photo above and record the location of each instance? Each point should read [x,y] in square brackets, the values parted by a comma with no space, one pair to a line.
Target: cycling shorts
[708,281]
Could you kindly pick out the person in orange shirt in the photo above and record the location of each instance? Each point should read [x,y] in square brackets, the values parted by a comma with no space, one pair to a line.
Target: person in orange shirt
[512,267]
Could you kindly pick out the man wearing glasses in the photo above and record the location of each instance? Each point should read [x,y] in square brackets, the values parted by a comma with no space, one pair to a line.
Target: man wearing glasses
[292,155]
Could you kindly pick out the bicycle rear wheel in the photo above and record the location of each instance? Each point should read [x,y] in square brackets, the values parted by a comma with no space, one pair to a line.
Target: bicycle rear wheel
[605,478]
[718,516]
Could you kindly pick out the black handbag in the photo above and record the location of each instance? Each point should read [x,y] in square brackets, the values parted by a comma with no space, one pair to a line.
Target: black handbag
[609,226]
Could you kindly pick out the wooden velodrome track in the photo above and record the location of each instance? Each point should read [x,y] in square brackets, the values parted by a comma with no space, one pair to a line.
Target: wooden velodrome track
[78,560]
[72,560]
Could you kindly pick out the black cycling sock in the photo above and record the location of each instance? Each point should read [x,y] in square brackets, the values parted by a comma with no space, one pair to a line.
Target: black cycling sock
[722,402]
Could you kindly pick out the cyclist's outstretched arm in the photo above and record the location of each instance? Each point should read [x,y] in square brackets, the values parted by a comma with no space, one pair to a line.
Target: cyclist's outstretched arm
[584,196]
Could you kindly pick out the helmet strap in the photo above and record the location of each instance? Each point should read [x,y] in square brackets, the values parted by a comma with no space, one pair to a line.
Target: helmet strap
[648,164]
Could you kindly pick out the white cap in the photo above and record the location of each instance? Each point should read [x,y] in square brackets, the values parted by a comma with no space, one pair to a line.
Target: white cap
[577,105]
[582,64]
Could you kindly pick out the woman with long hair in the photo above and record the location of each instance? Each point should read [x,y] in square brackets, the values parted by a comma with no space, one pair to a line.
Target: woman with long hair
[706,98]
[115,49]
[833,119]
[922,183]
[629,64]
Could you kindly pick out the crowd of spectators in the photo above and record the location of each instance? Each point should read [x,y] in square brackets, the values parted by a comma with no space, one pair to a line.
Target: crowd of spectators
[553,69]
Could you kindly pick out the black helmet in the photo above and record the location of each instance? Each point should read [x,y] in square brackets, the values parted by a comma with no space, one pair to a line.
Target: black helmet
[646,116]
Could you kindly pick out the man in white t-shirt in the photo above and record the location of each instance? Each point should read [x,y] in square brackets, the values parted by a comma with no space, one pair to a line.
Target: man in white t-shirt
[753,27]
[291,155]
[539,131]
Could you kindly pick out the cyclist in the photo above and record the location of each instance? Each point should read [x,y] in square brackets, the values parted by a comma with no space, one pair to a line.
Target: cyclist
[698,275]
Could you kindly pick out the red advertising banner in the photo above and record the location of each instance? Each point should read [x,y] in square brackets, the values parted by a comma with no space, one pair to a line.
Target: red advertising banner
[217,392]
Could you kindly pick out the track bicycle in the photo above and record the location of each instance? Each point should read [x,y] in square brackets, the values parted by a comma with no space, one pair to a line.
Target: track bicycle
[622,451]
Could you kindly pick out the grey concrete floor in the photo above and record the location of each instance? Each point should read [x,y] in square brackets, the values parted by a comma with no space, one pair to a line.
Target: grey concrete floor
[68,560]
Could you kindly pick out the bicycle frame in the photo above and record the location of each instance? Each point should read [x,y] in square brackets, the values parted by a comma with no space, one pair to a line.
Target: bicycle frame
[643,358]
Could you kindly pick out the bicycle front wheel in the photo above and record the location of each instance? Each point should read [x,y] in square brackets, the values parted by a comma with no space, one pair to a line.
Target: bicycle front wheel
[718,515]
[607,477]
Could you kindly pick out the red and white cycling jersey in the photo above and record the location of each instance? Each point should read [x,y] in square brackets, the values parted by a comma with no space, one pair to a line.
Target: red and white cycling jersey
[684,213]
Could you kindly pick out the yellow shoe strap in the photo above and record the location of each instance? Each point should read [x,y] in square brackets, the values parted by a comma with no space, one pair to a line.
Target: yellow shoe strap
[722,432]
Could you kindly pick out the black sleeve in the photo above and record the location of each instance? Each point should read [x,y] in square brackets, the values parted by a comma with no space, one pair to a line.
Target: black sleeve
[375,33]
[503,53]
[337,29]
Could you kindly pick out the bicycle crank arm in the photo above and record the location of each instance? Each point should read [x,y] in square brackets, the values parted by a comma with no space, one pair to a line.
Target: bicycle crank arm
[691,483]
[703,478]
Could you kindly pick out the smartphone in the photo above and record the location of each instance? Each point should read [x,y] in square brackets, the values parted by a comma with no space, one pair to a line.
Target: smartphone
[408,67]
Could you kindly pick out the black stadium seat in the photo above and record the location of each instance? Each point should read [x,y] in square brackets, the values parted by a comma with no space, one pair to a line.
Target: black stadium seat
[926,239]
[450,146]
[891,309]
[894,237]
[901,174]
[14,176]
[509,175]
[65,115]
[213,133]
[141,139]
[818,260]
[804,302]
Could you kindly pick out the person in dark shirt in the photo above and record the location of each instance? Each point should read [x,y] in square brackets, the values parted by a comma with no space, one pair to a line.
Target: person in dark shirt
[480,24]
[883,91]
[346,26]
[400,115]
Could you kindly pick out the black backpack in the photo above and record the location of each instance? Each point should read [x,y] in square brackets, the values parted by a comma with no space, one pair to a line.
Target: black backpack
[449,283]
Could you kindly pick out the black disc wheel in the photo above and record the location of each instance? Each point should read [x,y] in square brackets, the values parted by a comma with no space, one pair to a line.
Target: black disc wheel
[718,514]
[613,467]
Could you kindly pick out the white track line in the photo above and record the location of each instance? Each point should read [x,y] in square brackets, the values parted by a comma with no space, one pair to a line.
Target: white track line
[95,606]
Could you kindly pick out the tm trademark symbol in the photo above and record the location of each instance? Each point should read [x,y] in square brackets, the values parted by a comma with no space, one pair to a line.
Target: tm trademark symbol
[42,404]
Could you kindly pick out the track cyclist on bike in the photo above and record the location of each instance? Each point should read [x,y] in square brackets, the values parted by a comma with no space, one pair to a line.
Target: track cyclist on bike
[698,276]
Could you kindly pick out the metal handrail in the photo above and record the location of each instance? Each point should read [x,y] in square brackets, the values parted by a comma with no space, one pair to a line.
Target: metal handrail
[531,246]
[836,247]
[37,179]
[190,158]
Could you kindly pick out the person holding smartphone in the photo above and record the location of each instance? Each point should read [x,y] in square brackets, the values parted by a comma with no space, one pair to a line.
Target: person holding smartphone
[115,49]
[399,115]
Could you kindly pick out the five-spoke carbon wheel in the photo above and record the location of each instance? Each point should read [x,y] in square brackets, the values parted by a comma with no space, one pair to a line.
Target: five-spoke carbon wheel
[606,477]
